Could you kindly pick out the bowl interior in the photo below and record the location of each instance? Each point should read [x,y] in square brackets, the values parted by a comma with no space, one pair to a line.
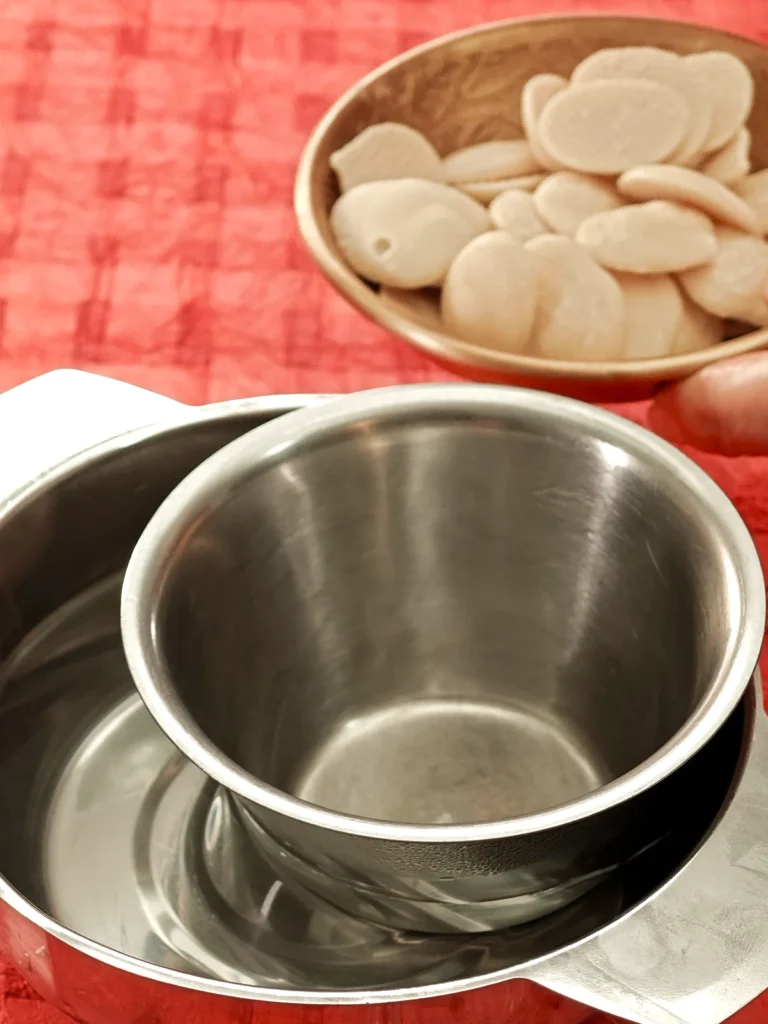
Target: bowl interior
[442,617]
[465,89]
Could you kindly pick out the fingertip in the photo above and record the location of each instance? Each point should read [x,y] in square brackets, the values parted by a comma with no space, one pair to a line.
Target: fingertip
[721,409]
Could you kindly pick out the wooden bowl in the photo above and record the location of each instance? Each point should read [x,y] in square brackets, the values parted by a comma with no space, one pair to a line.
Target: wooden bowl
[465,88]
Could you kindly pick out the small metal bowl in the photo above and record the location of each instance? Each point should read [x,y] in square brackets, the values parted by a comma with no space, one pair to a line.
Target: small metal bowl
[448,646]
[465,88]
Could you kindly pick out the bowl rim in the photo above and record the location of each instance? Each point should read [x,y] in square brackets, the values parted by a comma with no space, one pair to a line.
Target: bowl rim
[210,484]
[443,346]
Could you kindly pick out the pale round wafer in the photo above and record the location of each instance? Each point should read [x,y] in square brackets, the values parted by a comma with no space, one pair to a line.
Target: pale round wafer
[754,191]
[653,64]
[580,308]
[405,233]
[697,330]
[682,185]
[514,212]
[383,152]
[731,89]
[653,309]
[730,165]
[565,199]
[489,294]
[735,284]
[536,94]
[490,161]
[607,127]
[649,238]
[486,191]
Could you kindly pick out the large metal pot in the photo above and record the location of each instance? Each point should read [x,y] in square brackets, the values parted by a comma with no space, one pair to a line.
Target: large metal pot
[687,940]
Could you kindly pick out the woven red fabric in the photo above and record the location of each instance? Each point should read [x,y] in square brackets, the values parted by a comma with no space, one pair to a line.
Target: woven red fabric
[147,153]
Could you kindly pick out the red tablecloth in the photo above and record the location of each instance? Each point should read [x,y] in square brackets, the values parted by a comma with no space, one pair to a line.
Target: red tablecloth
[147,150]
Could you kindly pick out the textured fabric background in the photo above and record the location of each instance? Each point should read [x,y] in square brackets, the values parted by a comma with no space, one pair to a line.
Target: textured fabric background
[147,151]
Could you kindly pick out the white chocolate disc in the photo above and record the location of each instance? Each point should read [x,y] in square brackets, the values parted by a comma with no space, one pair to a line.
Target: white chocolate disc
[697,330]
[384,152]
[754,191]
[537,92]
[422,307]
[731,89]
[735,284]
[682,185]
[405,233]
[652,64]
[489,295]
[514,212]
[606,127]
[566,198]
[486,191]
[490,161]
[654,307]
[580,310]
[649,238]
[730,165]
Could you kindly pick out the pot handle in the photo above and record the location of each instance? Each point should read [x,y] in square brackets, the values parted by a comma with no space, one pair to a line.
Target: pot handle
[698,951]
[52,417]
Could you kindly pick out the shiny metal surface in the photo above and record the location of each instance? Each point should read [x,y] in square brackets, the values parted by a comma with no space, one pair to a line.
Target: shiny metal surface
[124,853]
[448,644]
[130,844]
[698,951]
[693,951]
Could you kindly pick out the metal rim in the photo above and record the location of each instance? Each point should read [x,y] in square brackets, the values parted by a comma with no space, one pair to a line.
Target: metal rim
[203,487]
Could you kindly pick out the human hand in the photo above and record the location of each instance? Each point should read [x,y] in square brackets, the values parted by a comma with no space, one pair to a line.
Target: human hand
[722,408]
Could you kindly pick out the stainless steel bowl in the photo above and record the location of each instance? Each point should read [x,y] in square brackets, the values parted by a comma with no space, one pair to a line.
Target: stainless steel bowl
[447,644]
[102,903]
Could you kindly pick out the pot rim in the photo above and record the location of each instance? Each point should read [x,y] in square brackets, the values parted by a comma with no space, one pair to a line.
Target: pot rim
[206,485]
